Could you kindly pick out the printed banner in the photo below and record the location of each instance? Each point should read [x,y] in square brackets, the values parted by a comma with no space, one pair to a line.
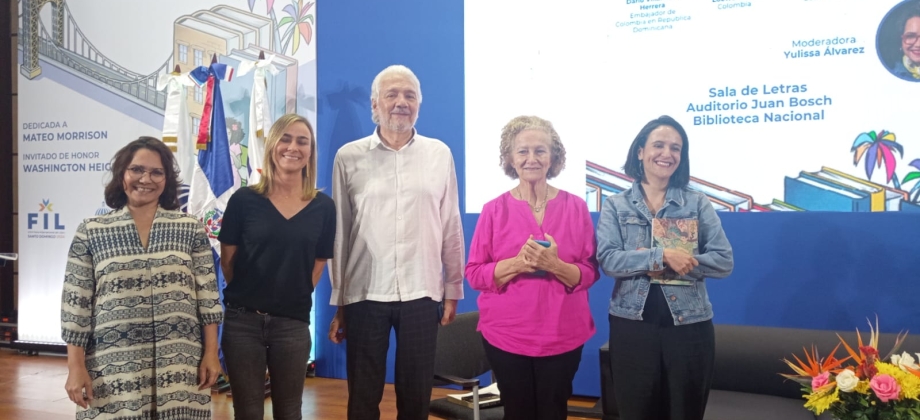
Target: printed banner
[88,84]
[789,105]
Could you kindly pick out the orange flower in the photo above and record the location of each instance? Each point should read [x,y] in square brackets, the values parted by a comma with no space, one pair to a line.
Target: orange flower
[814,365]
[868,353]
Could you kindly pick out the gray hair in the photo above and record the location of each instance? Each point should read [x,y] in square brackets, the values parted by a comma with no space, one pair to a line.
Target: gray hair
[529,122]
[395,70]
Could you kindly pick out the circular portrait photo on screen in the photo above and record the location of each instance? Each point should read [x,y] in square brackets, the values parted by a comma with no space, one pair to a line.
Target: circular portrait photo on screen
[898,41]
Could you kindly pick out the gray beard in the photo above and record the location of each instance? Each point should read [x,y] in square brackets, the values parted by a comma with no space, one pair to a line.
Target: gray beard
[399,128]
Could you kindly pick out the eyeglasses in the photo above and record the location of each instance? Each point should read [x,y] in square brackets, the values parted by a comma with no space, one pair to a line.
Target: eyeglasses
[910,38]
[156,174]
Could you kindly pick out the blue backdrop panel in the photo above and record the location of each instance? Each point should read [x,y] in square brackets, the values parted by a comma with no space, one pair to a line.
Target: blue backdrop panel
[821,271]
[355,40]
[807,270]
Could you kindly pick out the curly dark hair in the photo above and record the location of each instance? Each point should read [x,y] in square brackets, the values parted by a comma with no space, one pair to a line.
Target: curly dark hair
[115,196]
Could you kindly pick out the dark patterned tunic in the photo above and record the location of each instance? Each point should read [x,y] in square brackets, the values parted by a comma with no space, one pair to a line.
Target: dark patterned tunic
[139,313]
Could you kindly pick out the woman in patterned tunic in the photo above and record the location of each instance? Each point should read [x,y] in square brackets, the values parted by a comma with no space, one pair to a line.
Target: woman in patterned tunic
[140,304]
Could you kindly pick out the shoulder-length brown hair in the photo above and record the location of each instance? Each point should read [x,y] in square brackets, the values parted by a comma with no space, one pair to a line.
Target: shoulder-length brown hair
[633,166]
[308,174]
[115,196]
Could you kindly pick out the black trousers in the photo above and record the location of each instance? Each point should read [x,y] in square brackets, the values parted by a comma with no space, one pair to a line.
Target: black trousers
[250,342]
[368,325]
[534,388]
[661,371]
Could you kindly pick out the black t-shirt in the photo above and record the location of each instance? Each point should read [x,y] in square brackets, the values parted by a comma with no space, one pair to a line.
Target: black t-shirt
[273,268]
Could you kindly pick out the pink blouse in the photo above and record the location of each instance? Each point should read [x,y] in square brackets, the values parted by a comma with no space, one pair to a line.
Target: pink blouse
[532,315]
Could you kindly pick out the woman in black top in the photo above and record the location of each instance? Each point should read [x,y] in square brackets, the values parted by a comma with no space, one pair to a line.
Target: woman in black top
[275,239]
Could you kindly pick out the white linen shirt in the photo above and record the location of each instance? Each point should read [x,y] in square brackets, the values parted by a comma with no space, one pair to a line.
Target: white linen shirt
[398,230]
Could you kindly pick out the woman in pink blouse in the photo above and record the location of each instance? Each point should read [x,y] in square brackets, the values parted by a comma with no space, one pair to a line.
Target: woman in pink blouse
[533,300]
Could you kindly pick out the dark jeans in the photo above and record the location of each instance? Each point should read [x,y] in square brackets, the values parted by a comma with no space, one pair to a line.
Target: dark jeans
[660,370]
[250,343]
[368,324]
[534,388]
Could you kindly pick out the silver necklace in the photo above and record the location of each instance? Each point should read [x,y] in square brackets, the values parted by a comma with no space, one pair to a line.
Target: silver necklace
[541,206]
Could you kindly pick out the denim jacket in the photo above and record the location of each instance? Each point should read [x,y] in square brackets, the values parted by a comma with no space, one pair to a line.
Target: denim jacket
[625,227]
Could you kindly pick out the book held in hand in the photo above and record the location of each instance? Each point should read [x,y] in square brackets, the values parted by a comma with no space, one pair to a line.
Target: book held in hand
[675,233]
[488,397]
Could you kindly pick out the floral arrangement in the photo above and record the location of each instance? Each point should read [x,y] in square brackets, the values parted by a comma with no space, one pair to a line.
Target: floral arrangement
[862,386]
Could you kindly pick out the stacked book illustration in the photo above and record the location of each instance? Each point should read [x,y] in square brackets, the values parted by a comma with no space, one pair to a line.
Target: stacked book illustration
[827,189]
[832,190]
[282,85]
[233,36]
[603,182]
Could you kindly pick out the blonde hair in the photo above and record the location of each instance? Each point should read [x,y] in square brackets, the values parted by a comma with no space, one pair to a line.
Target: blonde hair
[526,122]
[308,173]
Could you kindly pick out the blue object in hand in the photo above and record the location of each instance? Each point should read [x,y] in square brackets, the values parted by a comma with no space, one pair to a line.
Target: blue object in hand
[545,244]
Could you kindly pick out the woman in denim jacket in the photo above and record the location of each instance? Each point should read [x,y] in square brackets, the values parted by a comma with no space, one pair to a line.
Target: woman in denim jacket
[662,342]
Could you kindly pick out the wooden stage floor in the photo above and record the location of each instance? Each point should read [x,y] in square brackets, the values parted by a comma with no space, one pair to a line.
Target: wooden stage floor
[32,388]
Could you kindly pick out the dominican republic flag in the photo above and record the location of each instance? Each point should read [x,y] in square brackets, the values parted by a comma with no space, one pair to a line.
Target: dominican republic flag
[212,181]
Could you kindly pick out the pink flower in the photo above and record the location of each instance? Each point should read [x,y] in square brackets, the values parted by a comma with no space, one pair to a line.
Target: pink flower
[820,380]
[886,387]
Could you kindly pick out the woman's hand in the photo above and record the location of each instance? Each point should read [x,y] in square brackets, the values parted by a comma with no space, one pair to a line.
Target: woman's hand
[547,259]
[679,260]
[507,269]
[541,257]
[79,386]
[208,370]
[522,263]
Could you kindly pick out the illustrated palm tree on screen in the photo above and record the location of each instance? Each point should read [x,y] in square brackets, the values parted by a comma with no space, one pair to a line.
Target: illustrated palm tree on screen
[299,24]
[914,194]
[878,149]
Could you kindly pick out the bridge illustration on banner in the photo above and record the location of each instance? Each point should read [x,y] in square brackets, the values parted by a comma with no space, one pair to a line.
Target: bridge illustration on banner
[230,35]
[68,49]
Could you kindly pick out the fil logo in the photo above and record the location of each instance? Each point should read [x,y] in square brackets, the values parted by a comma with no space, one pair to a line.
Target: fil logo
[46,219]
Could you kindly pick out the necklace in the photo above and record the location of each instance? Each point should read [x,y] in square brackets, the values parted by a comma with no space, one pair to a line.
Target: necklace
[537,208]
